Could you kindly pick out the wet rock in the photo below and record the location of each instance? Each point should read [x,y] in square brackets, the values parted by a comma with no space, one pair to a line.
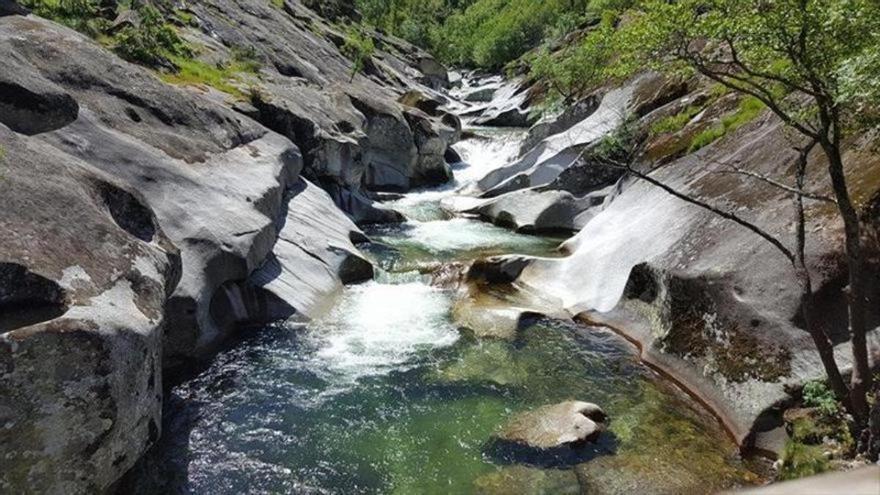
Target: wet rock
[435,73]
[707,310]
[572,114]
[549,427]
[313,257]
[513,117]
[498,269]
[522,480]
[480,95]
[610,475]
[535,211]
[491,320]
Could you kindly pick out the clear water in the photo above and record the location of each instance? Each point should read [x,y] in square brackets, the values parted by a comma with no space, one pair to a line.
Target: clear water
[383,394]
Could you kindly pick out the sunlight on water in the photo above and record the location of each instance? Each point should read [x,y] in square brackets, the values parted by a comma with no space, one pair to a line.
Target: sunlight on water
[377,327]
[491,149]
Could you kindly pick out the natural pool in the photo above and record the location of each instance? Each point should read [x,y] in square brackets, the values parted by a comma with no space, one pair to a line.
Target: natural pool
[384,394]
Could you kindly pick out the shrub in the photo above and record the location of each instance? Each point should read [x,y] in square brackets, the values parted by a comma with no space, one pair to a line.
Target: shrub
[818,395]
[81,15]
[152,43]
[359,48]
[800,460]
[674,123]
[581,67]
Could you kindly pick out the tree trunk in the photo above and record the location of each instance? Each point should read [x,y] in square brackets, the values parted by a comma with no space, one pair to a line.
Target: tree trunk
[823,344]
[821,341]
[857,292]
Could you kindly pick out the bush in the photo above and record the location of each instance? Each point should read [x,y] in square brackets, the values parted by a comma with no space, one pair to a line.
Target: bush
[359,48]
[152,43]
[818,395]
[578,68]
[81,15]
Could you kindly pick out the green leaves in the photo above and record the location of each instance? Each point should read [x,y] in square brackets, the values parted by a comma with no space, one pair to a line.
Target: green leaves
[153,42]
[358,48]
[825,49]
[580,67]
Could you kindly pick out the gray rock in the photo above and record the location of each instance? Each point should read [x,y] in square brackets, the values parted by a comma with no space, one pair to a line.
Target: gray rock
[554,426]
[537,211]
[562,122]
[84,274]
[434,72]
[30,104]
[648,263]
[480,95]
[313,257]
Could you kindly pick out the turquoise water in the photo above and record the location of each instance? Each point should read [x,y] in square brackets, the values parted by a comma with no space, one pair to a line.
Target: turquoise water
[384,394]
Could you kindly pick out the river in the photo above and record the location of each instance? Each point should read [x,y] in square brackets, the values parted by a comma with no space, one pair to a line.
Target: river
[385,394]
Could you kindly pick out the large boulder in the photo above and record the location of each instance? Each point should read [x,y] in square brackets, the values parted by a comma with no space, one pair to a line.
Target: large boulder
[536,211]
[85,270]
[353,131]
[313,258]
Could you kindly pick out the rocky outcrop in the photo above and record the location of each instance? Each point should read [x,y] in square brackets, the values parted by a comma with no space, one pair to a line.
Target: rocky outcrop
[354,134]
[147,222]
[85,270]
[555,426]
[708,302]
[557,435]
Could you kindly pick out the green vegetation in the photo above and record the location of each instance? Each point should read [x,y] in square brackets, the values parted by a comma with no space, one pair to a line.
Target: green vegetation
[676,122]
[81,15]
[484,33]
[153,42]
[749,108]
[801,460]
[359,48]
[818,395]
[581,66]
[194,72]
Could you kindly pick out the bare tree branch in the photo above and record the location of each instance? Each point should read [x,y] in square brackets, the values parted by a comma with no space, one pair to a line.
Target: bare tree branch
[779,185]
[702,204]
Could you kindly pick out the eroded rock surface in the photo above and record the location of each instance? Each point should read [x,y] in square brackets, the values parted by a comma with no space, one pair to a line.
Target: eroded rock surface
[708,301]
[84,273]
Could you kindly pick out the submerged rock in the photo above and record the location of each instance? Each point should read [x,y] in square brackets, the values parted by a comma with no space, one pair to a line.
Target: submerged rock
[523,480]
[548,427]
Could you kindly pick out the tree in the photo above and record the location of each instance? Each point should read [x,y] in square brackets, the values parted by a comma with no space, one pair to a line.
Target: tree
[810,62]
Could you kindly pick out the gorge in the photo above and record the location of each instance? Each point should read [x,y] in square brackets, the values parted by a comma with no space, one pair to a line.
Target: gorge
[339,272]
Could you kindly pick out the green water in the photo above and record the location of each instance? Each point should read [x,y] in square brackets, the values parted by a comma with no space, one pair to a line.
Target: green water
[384,394]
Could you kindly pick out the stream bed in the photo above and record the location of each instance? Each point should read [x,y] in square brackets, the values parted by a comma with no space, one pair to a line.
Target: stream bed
[385,394]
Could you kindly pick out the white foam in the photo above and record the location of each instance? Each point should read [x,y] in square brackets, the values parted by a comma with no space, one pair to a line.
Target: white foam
[377,328]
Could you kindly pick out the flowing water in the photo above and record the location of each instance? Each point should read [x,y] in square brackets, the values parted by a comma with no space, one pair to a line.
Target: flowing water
[384,394]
